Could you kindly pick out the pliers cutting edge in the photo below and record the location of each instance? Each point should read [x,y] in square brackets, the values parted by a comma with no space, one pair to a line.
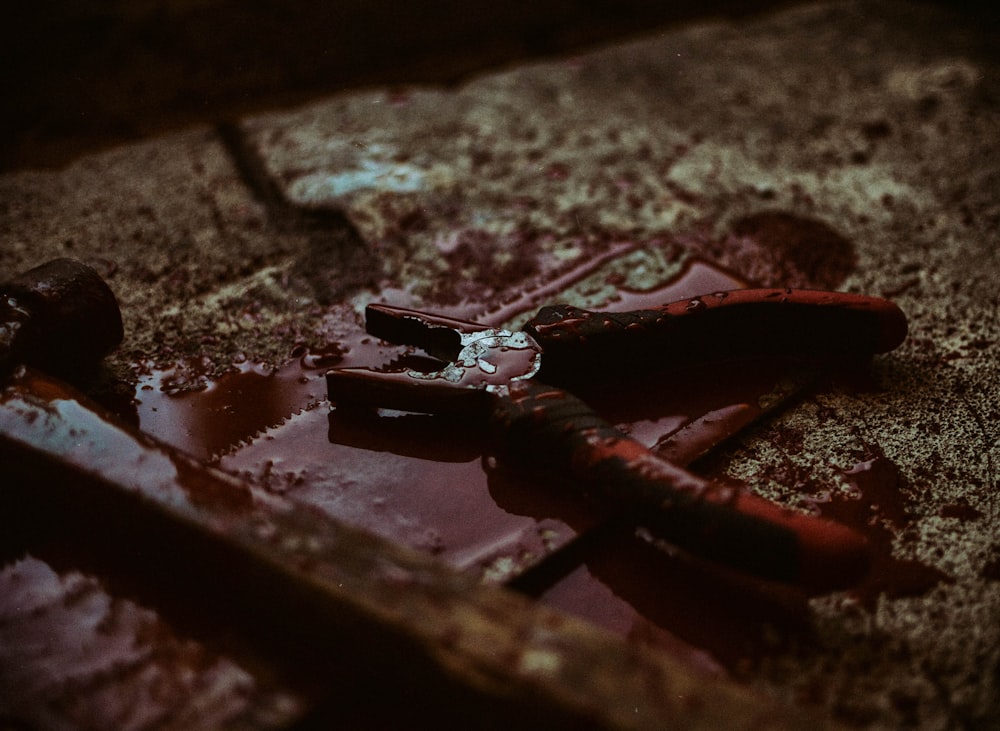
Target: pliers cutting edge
[522,381]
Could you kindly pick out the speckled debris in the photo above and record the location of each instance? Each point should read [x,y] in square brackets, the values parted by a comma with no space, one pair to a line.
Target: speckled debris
[202,267]
[880,121]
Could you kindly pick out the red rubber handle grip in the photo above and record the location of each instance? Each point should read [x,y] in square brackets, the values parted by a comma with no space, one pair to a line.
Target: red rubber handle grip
[722,326]
[548,426]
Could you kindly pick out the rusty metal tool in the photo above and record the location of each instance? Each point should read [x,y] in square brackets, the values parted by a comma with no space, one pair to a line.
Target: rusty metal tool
[415,630]
[521,379]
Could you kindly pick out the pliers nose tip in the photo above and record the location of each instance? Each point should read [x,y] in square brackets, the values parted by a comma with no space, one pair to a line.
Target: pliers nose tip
[893,326]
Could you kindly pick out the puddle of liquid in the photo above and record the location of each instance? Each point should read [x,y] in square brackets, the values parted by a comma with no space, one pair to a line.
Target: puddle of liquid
[206,418]
[877,505]
[586,596]
[420,480]
[428,492]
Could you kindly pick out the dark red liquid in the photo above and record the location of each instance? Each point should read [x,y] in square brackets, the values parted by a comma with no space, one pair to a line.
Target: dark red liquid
[422,481]
[877,505]
[416,479]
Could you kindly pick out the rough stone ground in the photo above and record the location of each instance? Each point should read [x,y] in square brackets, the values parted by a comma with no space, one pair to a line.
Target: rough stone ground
[879,119]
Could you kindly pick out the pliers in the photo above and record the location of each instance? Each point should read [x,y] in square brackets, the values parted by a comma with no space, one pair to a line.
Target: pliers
[522,381]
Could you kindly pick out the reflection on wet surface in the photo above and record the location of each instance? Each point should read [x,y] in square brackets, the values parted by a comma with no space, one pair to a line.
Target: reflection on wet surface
[62,633]
[877,503]
[429,481]
[388,471]
[426,480]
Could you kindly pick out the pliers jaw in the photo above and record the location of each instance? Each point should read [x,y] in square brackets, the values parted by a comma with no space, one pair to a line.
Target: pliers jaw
[491,371]
[478,362]
[437,335]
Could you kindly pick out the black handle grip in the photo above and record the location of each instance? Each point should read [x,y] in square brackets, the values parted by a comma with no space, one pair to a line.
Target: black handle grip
[726,325]
[547,426]
[61,317]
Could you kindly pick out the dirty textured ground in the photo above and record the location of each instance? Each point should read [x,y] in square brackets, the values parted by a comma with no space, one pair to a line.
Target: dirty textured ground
[872,125]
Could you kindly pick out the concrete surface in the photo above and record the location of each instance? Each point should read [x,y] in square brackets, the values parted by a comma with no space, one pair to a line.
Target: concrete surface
[879,120]
[79,75]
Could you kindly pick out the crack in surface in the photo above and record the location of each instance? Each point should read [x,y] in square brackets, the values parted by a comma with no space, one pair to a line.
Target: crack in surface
[337,258]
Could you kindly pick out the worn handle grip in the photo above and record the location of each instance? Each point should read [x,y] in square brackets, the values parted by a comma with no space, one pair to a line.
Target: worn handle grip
[725,325]
[544,425]
[60,316]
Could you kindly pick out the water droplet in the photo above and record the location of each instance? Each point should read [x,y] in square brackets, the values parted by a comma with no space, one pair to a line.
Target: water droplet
[696,305]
